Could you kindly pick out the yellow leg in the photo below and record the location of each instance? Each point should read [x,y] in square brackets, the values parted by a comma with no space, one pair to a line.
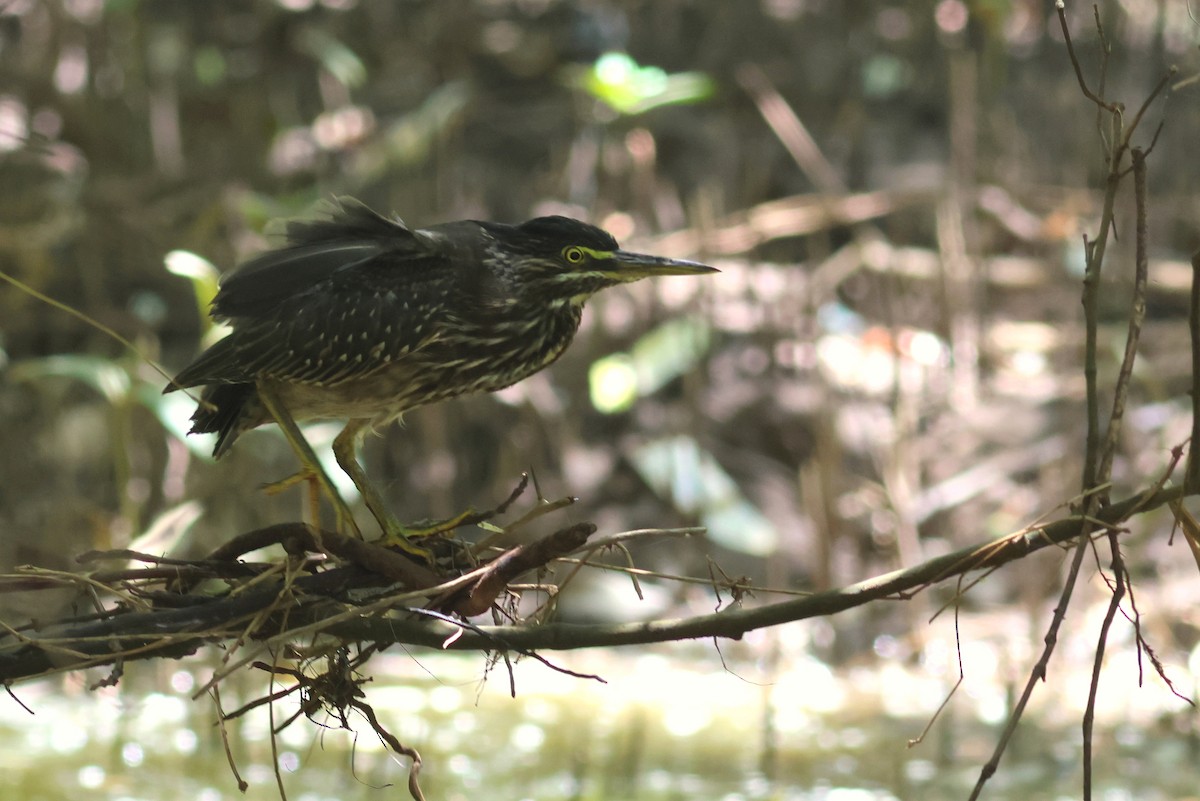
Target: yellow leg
[345,448]
[311,483]
[310,466]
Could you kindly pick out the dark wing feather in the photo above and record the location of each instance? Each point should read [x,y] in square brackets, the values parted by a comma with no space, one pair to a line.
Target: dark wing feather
[349,328]
[351,236]
[221,412]
[329,307]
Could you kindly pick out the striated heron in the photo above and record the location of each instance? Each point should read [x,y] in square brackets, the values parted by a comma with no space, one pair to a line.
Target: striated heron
[359,316]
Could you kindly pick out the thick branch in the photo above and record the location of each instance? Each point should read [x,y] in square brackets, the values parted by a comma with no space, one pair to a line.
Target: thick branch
[734,623]
[176,632]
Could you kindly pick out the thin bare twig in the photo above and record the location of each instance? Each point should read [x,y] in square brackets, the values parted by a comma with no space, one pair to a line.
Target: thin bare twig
[1099,459]
[1120,579]
[1150,98]
[961,677]
[1137,315]
[1061,8]
[1038,673]
[1191,481]
[242,784]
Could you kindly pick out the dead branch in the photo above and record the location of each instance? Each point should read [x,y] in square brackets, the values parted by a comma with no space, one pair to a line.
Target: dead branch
[330,601]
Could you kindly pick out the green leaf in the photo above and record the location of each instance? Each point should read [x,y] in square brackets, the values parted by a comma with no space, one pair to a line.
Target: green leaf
[615,382]
[200,271]
[612,383]
[629,88]
[338,59]
[678,469]
[209,65]
[101,374]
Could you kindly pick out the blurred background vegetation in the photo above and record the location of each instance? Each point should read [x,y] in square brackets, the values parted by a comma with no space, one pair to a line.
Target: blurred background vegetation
[887,368]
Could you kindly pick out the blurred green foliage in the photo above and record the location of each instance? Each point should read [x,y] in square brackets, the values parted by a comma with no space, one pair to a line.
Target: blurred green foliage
[630,88]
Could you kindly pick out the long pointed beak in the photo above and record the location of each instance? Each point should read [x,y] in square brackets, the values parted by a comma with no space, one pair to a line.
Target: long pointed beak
[632,266]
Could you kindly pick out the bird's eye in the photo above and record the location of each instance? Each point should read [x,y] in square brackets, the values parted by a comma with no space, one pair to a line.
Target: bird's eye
[573,255]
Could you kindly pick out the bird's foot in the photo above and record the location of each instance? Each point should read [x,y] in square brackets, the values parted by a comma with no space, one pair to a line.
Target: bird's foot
[276,487]
[432,528]
[403,536]
[346,524]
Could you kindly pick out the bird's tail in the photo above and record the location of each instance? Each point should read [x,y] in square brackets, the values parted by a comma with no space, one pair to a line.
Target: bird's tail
[223,409]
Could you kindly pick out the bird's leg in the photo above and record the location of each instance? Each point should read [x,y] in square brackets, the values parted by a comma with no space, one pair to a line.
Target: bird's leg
[345,448]
[311,483]
[311,469]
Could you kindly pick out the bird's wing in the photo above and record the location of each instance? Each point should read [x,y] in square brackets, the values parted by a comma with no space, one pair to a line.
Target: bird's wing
[321,338]
[350,236]
[347,298]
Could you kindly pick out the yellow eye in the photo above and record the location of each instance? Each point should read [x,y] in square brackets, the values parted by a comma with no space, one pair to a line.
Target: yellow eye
[573,255]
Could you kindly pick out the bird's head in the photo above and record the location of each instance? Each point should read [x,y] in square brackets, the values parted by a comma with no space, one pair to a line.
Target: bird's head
[561,258]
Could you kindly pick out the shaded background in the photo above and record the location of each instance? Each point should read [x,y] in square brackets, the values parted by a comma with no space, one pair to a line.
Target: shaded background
[886,368]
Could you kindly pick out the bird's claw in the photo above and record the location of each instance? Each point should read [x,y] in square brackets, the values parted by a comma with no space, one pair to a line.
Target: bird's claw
[402,536]
[346,525]
[276,487]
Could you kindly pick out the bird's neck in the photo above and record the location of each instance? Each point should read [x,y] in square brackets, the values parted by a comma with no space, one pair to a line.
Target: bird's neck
[557,329]
[563,321]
